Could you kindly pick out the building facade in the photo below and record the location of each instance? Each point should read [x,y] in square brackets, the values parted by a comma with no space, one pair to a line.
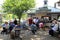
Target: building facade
[46,12]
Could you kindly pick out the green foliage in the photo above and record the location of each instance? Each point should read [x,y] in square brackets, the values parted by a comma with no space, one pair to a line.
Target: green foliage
[17,7]
[9,16]
[12,16]
[24,16]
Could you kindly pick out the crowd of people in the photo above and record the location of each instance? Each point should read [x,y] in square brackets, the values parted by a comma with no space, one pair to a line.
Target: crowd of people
[33,23]
[37,24]
[7,27]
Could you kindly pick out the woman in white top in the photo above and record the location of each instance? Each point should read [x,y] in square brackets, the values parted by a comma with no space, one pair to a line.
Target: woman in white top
[5,27]
[56,25]
[54,28]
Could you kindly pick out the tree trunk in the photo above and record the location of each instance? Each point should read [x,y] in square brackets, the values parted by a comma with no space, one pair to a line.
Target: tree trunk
[19,16]
[19,20]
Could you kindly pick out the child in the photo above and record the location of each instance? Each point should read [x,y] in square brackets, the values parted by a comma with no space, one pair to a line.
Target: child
[33,28]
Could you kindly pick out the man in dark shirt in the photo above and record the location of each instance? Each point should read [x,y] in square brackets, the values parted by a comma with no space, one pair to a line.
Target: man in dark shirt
[15,21]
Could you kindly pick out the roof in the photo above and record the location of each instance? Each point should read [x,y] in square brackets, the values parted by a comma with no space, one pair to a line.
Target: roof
[44,9]
[54,9]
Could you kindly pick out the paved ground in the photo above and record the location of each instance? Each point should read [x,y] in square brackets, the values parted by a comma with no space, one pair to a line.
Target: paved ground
[27,35]
[40,35]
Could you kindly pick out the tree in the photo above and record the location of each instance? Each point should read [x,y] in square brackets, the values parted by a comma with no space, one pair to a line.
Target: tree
[17,7]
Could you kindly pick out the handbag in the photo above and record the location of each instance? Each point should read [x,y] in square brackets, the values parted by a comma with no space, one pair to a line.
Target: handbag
[52,25]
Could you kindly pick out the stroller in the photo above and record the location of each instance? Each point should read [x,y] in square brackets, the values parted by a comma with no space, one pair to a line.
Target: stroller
[16,35]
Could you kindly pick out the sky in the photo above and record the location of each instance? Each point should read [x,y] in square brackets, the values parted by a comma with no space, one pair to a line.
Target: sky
[39,3]
[1,1]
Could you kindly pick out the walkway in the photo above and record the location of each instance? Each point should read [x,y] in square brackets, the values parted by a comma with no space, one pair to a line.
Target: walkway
[40,35]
